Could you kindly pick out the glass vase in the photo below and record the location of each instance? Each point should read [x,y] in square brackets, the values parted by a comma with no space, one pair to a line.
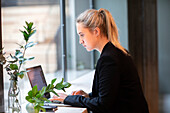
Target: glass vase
[14,97]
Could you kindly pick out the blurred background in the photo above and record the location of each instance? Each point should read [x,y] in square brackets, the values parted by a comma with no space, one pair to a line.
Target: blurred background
[45,14]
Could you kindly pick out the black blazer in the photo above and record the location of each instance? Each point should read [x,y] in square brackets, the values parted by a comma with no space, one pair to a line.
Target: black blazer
[116,86]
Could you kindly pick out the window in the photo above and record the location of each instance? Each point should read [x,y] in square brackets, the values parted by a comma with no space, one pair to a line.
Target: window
[45,14]
[46,17]
[79,61]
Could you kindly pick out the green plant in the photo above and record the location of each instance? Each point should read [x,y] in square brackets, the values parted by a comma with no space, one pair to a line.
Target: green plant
[14,62]
[36,97]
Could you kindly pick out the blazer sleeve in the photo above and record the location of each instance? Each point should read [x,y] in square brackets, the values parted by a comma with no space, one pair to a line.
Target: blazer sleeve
[108,86]
[90,94]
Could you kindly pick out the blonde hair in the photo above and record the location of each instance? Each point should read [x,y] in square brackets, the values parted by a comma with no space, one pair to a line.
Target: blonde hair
[103,19]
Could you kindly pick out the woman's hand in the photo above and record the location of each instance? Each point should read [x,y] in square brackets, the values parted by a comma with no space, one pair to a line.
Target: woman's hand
[60,98]
[80,92]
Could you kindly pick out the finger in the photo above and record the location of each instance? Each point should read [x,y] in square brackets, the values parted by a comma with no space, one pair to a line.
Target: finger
[59,99]
[79,92]
[55,96]
[73,92]
[76,92]
[51,99]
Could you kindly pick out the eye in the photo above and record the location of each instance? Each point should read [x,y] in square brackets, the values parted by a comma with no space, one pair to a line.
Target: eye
[81,35]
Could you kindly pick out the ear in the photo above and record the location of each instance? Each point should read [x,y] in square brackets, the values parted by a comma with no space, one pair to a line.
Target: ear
[97,31]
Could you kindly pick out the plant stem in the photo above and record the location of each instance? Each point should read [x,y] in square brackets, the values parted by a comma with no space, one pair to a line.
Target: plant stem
[23,56]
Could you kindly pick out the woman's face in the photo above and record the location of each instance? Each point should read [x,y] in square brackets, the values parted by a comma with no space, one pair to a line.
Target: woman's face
[86,38]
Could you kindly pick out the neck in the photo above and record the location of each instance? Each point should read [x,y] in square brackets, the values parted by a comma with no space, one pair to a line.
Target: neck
[101,43]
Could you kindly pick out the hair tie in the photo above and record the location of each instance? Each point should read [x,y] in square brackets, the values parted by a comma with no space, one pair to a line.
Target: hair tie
[102,13]
[101,10]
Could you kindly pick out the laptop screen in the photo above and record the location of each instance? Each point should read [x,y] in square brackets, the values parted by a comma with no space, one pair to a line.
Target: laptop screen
[36,77]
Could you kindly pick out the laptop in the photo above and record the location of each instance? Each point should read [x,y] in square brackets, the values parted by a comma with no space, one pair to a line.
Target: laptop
[36,77]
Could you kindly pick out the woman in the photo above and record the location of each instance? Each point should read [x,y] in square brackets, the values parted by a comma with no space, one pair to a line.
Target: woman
[116,85]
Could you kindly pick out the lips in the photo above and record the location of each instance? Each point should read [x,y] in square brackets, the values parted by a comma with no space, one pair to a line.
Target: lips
[84,45]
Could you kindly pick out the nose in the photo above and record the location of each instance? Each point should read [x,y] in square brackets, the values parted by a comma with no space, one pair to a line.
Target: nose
[80,41]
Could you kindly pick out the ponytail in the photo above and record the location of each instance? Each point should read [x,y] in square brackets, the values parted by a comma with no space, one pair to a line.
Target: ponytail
[112,31]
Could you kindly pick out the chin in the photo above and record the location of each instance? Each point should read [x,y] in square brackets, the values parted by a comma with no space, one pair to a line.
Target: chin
[89,49]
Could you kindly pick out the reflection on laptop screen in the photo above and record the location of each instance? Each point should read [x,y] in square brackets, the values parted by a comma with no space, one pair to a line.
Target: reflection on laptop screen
[36,77]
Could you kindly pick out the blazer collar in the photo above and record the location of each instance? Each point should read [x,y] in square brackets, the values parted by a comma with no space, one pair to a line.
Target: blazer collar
[105,47]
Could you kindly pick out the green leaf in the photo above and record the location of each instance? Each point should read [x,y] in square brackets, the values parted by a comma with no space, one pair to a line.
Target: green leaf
[51,86]
[44,99]
[27,23]
[41,104]
[62,80]
[37,100]
[27,98]
[52,82]
[59,86]
[36,104]
[53,92]
[26,29]
[13,57]
[48,87]
[21,31]
[13,66]
[21,46]
[42,91]
[32,32]
[22,60]
[31,100]
[30,25]
[31,58]
[30,94]
[63,89]
[34,90]
[30,44]
[18,54]
[26,36]
[11,62]
[66,85]
[29,31]
[38,95]
[21,74]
